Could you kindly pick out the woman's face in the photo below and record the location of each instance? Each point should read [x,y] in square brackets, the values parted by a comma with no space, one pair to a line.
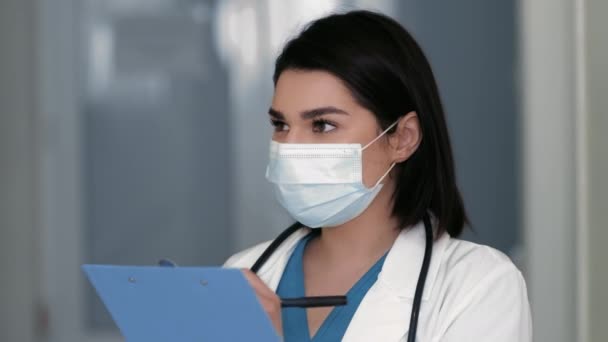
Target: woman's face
[315,107]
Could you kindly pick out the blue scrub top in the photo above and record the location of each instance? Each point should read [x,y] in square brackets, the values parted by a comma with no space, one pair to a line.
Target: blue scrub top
[295,321]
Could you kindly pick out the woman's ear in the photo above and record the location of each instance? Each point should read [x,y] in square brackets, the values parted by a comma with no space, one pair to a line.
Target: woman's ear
[406,138]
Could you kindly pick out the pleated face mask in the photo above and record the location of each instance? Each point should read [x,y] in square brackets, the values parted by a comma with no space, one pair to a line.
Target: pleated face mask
[321,185]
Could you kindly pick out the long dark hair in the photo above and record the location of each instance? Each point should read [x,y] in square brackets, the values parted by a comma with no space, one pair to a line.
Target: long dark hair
[387,73]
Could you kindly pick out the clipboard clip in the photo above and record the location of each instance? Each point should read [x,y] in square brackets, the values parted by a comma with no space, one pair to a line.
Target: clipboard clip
[166,263]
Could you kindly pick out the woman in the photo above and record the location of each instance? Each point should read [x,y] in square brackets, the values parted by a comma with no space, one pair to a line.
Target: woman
[360,157]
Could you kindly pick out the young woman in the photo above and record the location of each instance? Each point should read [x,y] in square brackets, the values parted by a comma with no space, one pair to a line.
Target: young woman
[360,157]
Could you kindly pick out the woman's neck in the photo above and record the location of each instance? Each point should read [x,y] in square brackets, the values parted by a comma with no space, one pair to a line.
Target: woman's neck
[362,239]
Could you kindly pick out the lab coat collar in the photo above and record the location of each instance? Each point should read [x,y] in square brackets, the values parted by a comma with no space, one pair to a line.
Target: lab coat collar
[404,260]
[272,271]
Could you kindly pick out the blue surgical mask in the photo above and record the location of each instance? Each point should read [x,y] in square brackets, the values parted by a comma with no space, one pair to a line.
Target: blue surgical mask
[321,185]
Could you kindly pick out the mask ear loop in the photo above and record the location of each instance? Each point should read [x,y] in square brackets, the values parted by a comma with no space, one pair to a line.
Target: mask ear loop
[373,141]
[385,174]
[381,134]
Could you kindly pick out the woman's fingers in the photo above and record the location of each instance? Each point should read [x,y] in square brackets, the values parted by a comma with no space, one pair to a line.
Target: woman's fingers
[271,303]
[257,284]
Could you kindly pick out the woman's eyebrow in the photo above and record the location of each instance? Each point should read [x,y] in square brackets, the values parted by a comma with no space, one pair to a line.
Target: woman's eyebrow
[312,113]
[276,114]
[309,114]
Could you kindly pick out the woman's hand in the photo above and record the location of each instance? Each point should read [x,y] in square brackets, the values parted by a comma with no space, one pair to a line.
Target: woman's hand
[269,300]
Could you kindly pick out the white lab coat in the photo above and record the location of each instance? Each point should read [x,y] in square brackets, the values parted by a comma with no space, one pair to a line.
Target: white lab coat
[472,293]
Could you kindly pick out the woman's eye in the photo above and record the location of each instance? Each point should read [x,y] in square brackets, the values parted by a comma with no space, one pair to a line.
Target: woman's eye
[322,126]
[279,126]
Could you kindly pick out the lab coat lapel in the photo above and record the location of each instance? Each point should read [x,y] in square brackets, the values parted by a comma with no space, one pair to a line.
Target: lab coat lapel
[384,313]
[381,316]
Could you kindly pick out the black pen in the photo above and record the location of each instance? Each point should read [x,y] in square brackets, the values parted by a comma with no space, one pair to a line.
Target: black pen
[313,302]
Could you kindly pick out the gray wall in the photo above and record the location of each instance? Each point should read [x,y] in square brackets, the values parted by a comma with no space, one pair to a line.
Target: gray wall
[471,47]
[19,278]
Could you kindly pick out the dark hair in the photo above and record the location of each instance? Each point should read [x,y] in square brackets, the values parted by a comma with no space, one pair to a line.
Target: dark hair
[387,73]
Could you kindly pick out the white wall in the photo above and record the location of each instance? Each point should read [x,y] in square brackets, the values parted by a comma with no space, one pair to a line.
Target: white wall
[548,84]
[18,186]
[564,89]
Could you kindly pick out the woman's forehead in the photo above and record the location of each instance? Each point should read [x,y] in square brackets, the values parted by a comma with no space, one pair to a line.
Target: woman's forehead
[300,90]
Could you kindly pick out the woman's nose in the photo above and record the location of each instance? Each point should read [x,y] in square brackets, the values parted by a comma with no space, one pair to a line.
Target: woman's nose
[298,136]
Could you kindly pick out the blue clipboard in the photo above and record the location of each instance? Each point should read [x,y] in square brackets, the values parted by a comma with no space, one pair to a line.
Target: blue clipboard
[181,304]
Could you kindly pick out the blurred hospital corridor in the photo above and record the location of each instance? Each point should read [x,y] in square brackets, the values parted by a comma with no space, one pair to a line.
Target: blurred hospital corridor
[130,131]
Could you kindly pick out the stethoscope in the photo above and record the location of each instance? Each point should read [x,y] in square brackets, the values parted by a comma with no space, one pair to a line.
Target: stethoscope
[309,302]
